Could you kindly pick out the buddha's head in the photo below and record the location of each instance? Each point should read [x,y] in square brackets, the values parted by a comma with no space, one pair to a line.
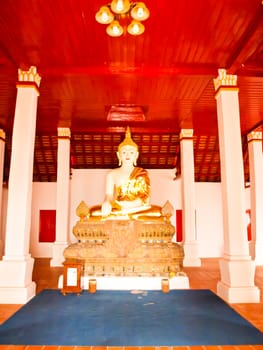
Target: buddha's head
[127,150]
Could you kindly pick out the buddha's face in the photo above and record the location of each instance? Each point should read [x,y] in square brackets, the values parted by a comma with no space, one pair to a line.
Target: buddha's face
[128,155]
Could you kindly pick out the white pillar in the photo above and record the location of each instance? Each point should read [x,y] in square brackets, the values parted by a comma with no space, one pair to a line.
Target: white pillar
[191,245]
[236,267]
[256,194]
[16,285]
[63,196]
[2,157]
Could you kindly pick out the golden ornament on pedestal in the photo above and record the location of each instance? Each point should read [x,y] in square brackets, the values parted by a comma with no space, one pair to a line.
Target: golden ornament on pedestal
[82,211]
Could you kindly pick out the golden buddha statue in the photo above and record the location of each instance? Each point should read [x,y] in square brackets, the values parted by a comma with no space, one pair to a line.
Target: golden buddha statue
[127,188]
[126,235]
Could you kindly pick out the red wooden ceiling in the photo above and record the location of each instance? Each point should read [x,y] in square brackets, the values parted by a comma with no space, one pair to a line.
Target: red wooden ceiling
[168,72]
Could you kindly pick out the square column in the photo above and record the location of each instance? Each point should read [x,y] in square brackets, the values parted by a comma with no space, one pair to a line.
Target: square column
[16,285]
[63,194]
[2,157]
[191,254]
[236,267]
[256,194]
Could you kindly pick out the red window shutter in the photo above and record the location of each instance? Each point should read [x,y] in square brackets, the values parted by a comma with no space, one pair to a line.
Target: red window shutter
[47,225]
[249,236]
[179,225]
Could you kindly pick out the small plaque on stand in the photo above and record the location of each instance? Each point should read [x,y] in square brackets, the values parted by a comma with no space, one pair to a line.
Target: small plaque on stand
[72,272]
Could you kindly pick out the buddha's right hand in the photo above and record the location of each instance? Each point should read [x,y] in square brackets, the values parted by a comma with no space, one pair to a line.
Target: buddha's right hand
[106,208]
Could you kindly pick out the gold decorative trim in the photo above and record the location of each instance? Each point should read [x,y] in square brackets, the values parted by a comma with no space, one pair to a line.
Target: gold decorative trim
[254,136]
[30,75]
[186,134]
[126,248]
[2,135]
[64,133]
[224,79]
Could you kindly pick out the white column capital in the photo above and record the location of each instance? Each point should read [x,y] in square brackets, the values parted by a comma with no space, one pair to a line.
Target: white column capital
[29,75]
[64,133]
[224,79]
[254,136]
[186,134]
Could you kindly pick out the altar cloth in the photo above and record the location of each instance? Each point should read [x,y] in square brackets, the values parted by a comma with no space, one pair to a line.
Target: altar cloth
[132,282]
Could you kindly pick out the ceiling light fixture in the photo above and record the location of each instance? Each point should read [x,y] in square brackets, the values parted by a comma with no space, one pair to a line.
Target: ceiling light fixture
[114,12]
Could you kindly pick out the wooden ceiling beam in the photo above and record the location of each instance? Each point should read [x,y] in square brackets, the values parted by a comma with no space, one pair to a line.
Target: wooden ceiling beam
[249,44]
[146,71]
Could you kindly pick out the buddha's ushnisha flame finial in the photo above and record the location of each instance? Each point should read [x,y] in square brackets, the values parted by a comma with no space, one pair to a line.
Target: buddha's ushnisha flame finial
[128,141]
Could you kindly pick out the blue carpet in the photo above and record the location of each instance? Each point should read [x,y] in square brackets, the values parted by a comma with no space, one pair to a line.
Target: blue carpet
[121,318]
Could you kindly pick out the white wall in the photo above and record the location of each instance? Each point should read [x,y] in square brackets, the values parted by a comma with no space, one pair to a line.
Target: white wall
[89,186]
[164,187]
[209,219]
[43,198]
[3,219]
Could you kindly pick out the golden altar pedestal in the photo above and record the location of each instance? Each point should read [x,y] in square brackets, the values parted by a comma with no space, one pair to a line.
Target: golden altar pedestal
[126,248]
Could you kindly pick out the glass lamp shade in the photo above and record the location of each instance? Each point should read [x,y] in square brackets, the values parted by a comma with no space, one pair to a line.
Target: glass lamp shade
[114,29]
[135,28]
[104,15]
[140,12]
[120,6]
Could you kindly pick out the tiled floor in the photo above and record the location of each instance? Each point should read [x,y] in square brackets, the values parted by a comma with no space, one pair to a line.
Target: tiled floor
[204,277]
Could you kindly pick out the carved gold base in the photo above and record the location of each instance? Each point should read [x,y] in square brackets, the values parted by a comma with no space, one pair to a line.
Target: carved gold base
[126,248]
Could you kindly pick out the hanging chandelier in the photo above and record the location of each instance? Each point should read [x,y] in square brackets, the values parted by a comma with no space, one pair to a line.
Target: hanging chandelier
[114,12]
